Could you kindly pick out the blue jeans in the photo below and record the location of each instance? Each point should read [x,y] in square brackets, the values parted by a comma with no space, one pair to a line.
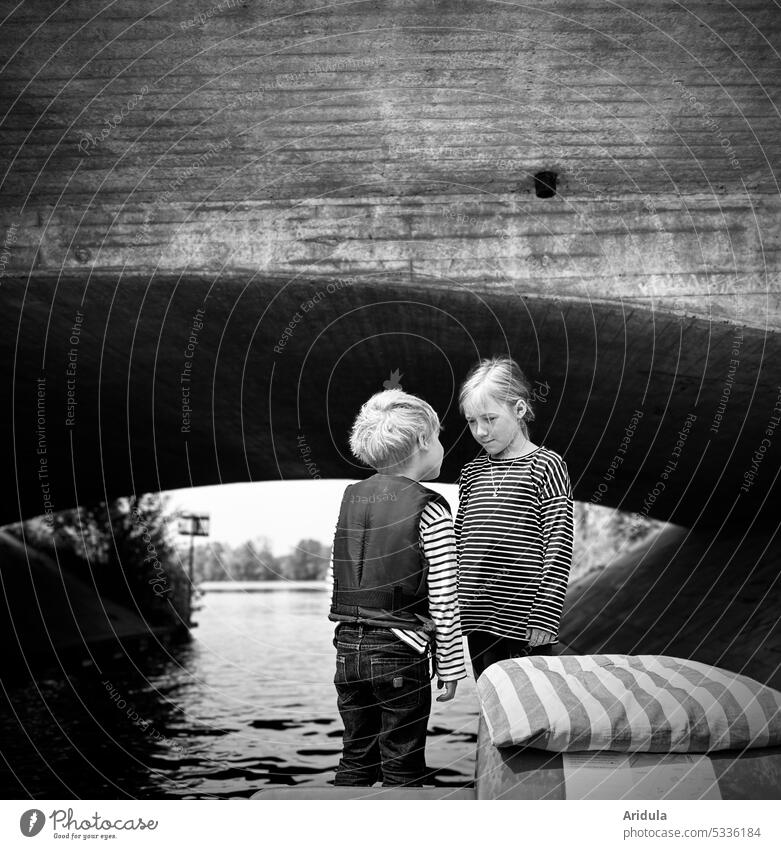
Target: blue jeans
[384,698]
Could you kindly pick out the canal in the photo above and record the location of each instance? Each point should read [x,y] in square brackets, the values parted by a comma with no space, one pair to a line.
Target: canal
[247,703]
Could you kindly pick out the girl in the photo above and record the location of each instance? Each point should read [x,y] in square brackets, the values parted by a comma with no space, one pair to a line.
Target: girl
[514,523]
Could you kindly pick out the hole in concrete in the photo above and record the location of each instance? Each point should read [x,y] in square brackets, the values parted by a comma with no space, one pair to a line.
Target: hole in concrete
[545,184]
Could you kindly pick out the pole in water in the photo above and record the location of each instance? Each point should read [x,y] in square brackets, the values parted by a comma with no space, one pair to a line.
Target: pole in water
[190,588]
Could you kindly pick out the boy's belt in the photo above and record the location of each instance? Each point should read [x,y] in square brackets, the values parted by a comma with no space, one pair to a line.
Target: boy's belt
[394,599]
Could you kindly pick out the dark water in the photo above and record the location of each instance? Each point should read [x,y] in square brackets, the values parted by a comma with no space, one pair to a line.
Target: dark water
[248,703]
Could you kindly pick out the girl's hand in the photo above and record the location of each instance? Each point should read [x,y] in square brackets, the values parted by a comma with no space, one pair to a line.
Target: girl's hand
[538,637]
[450,690]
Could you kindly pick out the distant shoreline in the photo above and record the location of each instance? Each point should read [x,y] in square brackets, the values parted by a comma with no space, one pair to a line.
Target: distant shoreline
[259,586]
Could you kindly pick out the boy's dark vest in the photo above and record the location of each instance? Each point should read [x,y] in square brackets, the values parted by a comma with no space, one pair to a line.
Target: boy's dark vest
[380,573]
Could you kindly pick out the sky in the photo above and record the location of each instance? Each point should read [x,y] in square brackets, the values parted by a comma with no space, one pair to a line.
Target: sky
[284,511]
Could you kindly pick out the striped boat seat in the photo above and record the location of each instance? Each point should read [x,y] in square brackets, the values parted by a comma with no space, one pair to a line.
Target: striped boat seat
[642,703]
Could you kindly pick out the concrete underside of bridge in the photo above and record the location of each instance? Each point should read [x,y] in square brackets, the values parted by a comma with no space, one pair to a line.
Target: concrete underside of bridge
[226,234]
[632,398]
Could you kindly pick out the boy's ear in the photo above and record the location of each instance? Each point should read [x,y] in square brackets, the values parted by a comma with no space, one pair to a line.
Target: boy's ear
[423,440]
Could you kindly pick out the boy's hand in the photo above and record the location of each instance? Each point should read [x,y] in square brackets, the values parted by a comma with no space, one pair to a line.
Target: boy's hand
[450,690]
[538,637]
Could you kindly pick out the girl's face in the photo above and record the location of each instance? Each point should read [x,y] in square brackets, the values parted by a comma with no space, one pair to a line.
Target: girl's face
[495,425]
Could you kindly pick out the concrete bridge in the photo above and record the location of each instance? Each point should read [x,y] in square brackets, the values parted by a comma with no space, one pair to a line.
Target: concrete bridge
[225,227]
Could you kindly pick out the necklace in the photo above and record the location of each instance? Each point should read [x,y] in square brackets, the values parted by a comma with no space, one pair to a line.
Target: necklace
[507,470]
[494,485]
[504,477]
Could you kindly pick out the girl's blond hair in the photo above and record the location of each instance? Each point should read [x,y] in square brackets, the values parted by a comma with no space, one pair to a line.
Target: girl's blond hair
[501,379]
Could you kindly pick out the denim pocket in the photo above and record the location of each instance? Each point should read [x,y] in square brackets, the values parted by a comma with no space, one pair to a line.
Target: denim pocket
[399,681]
[341,676]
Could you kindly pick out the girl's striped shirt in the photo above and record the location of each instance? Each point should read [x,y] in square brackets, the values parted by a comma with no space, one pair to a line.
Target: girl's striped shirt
[438,544]
[514,534]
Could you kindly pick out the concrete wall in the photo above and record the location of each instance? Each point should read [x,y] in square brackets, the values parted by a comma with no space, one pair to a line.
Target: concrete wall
[383,154]
[401,136]
[711,597]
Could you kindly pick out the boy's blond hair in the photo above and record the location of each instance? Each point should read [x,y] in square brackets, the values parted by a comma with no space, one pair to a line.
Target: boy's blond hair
[386,430]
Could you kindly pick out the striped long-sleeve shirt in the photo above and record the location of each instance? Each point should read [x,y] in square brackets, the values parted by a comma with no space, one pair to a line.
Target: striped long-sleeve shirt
[514,535]
[438,544]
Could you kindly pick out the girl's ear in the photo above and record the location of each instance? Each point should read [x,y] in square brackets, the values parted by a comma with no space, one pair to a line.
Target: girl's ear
[520,408]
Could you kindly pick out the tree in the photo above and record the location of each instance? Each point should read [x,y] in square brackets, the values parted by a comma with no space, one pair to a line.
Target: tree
[307,562]
[251,561]
[125,547]
[211,561]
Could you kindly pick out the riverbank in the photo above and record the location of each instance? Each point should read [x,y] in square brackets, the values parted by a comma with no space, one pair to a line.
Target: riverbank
[261,586]
[52,617]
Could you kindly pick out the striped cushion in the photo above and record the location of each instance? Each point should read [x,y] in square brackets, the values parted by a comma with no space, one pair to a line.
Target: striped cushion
[644,703]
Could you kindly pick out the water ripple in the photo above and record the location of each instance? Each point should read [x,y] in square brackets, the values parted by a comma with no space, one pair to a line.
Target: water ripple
[248,703]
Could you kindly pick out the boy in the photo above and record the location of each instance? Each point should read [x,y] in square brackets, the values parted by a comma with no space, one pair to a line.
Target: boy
[394,587]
